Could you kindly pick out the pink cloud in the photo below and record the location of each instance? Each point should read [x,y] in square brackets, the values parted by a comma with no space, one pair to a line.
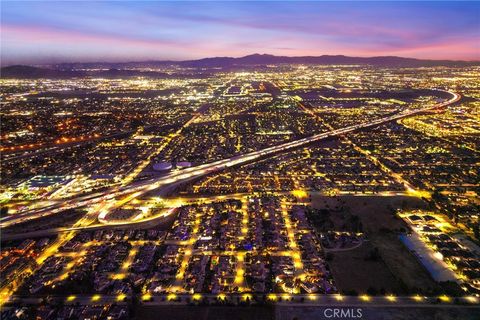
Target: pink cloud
[87,45]
[42,35]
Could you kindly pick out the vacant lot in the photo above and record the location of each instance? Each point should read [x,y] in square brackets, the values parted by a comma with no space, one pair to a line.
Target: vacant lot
[381,227]
[61,219]
[375,212]
[354,270]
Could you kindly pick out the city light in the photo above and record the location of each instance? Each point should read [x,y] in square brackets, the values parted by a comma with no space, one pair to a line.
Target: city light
[203,182]
[365,297]
[272,297]
[196,296]
[417,298]
[338,297]
[146,297]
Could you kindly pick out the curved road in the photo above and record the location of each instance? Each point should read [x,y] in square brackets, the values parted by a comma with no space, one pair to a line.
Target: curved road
[135,190]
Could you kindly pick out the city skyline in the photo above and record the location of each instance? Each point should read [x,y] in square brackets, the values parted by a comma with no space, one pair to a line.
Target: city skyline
[52,32]
[240,160]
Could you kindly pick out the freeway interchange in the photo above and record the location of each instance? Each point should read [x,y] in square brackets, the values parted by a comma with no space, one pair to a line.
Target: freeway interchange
[108,199]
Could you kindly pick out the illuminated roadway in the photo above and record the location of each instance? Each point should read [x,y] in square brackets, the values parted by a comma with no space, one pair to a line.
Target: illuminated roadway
[101,203]
[173,179]
[300,300]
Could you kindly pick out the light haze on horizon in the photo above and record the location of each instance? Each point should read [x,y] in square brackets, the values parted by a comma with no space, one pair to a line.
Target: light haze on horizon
[36,32]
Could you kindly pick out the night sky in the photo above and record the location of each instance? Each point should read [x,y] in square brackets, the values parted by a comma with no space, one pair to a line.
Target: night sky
[44,32]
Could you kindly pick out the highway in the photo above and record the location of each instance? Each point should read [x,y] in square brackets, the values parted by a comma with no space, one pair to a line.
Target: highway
[167,182]
[175,203]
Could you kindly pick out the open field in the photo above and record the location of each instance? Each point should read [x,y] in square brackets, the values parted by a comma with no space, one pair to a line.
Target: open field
[61,219]
[353,271]
[399,269]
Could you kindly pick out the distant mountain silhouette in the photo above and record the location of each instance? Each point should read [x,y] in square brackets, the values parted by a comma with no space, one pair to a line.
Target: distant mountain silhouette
[28,72]
[263,59]
[125,69]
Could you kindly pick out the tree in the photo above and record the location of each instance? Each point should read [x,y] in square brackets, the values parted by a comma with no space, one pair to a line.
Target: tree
[3,211]
[372,291]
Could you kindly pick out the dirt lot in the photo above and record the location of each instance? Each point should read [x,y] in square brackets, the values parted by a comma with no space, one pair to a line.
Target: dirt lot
[63,218]
[352,271]
[375,212]
[381,227]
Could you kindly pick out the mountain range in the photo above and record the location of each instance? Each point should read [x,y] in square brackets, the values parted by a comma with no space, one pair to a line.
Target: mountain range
[127,69]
